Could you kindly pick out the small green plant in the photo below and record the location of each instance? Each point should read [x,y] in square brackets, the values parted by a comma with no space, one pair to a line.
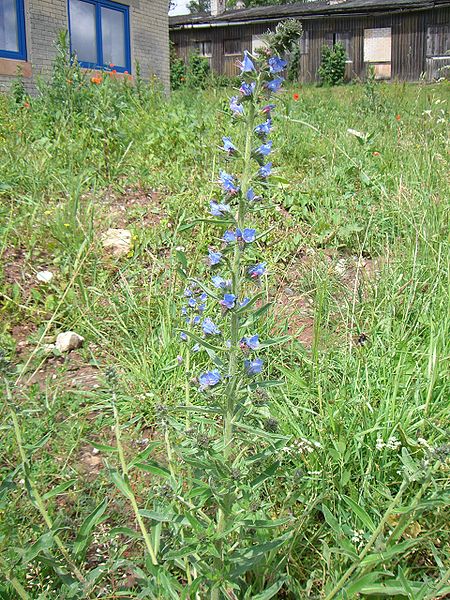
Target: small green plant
[332,68]
[197,71]
[177,69]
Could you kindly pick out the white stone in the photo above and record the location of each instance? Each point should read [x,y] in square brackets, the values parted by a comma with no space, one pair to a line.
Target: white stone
[117,242]
[69,340]
[44,276]
[341,266]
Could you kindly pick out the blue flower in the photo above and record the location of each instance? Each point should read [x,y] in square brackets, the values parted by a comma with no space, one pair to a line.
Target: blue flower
[264,128]
[244,302]
[265,149]
[183,336]
[267,108]
[257,270]
[203,297]
[250,195]
[228,145]
[184,310]
[246,65]
[218,209]
[275,84]
[196,348]
[209,327]
[276,64]
[196,320]
[264,171]
[227,182]
[209,379]
[253,367]
[229,300]
[214,258]
[236,108]
[247,89]
[192,303]
[201,308]
[250,342]
[220,282]
[248,235]
[229,236]
[188,292]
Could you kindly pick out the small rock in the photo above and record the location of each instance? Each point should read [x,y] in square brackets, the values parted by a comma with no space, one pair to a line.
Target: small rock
[341,266]
[48,348]
[44,276]
[117,242]
[69,340]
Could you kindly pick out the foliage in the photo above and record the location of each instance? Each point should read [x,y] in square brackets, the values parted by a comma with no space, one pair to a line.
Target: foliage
[177,69]
[332,67]
[197,71]
[356,245]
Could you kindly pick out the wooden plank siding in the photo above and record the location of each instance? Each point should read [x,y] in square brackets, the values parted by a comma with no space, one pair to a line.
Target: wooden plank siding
[409,60]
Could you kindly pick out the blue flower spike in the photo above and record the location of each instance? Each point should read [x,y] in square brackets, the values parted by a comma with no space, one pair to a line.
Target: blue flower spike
[209,327]
[247,89]
[214,258]
[265,170]
[257,271]
[276,64]
[265,149]
[209,379]
[275,84]
[218,209]
[228,183]
[253,367]
[236,108]
[229,301]
[249,343]
[228,145]
[246,65]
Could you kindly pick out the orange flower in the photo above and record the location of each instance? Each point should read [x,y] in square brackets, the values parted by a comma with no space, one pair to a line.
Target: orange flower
[96,80]
[111,66]
[376,153]
[69,81]
[296,97]
[26,105]
[398,117]
[126,72]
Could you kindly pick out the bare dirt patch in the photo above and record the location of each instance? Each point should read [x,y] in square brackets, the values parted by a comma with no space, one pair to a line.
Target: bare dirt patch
[135,205]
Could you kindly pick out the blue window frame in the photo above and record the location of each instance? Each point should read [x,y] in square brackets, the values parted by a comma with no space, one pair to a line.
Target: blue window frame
[100,34]
[12,30]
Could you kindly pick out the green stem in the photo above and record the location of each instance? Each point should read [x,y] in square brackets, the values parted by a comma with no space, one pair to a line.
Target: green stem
[18,587]
[132,498]
[39,502]
[235,321]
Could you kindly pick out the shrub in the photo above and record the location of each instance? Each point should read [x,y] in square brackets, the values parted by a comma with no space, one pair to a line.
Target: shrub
[332,68]
[197,71]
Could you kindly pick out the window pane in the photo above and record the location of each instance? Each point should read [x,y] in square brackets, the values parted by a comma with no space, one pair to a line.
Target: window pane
[377,45]
[82,30]
[113,37]
[232,47]
[9,38]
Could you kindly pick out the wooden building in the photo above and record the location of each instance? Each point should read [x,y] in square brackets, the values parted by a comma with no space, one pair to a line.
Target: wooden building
[403,39]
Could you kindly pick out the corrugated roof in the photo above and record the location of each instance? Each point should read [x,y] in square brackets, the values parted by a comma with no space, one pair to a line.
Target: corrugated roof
[303,9]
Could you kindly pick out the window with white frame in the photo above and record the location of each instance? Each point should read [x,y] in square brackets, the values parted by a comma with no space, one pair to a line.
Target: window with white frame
[12,30]
[100,34]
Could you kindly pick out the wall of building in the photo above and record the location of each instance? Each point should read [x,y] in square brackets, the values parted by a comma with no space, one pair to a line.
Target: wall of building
[44,19]
[409,60]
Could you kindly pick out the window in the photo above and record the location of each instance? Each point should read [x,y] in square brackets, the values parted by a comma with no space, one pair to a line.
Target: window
[12,30]
[100,34]
[438,41]
[345,38]
[377,45]
[232,47]
[204,48]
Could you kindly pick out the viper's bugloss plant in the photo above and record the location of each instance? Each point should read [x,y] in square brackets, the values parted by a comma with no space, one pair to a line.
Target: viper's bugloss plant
[231,527]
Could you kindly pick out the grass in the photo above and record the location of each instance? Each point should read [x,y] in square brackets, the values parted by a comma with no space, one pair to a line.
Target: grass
[358,256]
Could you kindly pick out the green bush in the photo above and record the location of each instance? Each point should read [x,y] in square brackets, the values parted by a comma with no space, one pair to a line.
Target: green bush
[197,71]
[332,68]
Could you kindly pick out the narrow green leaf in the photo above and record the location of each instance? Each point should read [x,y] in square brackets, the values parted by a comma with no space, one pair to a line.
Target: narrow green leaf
[83,538]
[121,484]
[44,543]
[155,469]
[270,592]
[144,454]
[59,489]
[101,447]
[360,513]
